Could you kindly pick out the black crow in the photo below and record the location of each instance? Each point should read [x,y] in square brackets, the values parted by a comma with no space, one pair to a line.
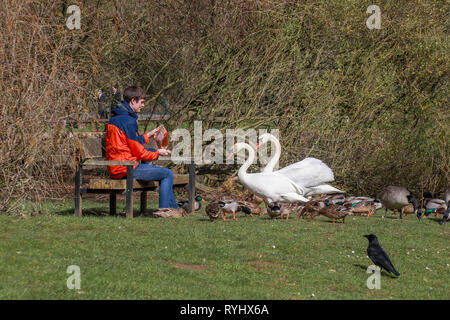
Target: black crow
[378,255]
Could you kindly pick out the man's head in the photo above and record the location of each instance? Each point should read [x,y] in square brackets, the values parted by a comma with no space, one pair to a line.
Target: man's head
[135,97]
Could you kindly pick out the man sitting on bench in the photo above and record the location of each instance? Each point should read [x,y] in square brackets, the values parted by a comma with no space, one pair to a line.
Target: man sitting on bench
[123,143]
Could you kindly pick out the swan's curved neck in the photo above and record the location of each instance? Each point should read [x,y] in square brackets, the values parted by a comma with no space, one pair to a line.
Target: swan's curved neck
[251,157]
[274,160]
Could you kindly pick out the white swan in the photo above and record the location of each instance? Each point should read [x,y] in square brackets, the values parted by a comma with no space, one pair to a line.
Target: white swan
[268,185]
[310,173]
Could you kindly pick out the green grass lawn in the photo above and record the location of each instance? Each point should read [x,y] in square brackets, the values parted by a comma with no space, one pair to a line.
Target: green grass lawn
[193,258]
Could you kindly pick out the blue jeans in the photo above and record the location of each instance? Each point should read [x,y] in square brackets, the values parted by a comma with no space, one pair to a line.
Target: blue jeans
[149,172]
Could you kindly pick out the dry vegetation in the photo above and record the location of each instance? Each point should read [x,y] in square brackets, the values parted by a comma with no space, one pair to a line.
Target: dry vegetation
[373,104]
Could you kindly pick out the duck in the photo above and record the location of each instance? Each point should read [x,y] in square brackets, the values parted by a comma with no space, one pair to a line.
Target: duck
[311,209]
[284,210]
[370,204]
[214,211]
[230,206]
[250,208]
[363,207]
[350,201]
[431,205]
[334,199]
[334,211]
[408,209]
[311,174]
[274,210]
[447,212]
[170,213]
[396,198]
[184,203]
[272,186]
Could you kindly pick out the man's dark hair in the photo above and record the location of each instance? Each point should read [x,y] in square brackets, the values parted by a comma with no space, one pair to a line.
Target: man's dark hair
[116,85]
[133,92]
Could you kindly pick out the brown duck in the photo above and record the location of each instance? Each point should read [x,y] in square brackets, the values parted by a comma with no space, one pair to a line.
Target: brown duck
[170,213]
[311,209]
[283,210]
[252,207]
[363,207]
[214,211]
[334,211]
[273,210]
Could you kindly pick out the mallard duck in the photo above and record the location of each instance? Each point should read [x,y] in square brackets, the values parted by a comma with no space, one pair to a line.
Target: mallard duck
[396,198]
[433,205]
[311,209]
[363,207]
[170,213]
[214,211]
[334,198]
[197,204]
[249,208]
[334,211]
[229,206]
[273,210]
[283,210]
[288,208]
[353,201]
[408,209]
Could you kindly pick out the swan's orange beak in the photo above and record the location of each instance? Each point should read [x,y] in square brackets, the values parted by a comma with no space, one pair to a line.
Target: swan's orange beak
[258,145]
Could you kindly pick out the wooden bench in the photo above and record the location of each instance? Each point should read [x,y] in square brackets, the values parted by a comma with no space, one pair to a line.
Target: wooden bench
[91,152]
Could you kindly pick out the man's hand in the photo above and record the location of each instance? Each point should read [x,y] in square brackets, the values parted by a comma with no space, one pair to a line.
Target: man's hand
[164,152]
[153,132]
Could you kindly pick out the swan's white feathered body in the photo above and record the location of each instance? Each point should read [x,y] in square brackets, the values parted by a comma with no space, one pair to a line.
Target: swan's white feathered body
[272,187]
[311,174]
[290,184]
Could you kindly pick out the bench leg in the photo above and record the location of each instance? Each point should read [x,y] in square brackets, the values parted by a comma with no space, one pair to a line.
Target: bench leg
[112,204]
[78,209]
[143,202]
[191,186]
[129,192]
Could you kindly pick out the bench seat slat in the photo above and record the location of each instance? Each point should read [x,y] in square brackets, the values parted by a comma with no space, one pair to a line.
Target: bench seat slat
[120,184]
[96,162]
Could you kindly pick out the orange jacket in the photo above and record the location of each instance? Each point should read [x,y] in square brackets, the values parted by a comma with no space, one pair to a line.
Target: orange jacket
[123,142]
